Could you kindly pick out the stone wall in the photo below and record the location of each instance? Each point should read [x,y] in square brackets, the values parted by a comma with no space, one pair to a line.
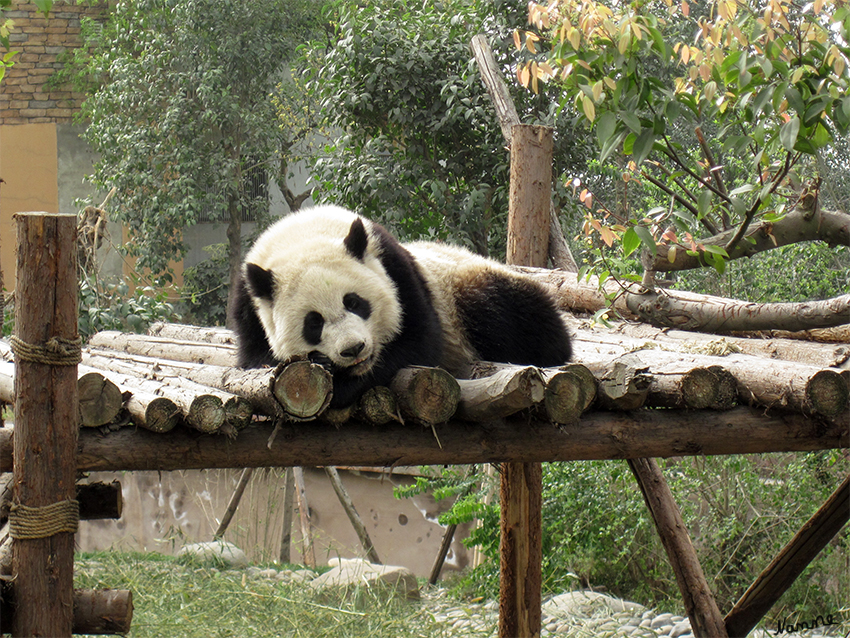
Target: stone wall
[25,97]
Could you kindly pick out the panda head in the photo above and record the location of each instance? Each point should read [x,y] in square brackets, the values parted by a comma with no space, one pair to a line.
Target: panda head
[325,297]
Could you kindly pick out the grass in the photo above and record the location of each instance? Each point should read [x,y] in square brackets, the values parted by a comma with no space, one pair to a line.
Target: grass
[176,599]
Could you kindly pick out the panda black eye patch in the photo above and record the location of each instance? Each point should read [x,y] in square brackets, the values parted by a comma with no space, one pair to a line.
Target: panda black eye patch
[356,304]
[312,330]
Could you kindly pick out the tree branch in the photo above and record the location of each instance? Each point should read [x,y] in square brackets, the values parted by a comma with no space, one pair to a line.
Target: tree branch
[799,225]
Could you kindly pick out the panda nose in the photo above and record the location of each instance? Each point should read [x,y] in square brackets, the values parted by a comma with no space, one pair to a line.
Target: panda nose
[353,351]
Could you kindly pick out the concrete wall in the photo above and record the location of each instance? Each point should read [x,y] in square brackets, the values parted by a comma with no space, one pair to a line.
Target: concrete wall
[163,511]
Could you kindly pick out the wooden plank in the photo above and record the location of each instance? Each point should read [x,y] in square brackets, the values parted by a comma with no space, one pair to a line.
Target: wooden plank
[790,562]
[45,420]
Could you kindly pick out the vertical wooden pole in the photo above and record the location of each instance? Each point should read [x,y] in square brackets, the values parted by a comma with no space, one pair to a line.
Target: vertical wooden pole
[521,483]
[309,555]
[45,442]
[288,506]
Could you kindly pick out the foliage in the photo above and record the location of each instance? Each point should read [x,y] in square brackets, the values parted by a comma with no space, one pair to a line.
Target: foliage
[179,110]
[204,290]
[114,307]
[739,510]
[418,144]
[724,128]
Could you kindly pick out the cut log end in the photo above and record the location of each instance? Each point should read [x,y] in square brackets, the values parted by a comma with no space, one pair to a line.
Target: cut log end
[426,395]
[827,393]
[100,400]
[303,389]
[378,406]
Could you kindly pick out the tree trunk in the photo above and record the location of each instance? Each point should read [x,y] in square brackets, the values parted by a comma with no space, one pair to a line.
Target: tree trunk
[234,253]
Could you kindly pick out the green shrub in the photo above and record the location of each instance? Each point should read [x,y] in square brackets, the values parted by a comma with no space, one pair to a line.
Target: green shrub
[205,288]
[114,307]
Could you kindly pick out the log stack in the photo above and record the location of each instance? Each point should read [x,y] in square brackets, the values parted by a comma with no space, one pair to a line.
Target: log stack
[187,375]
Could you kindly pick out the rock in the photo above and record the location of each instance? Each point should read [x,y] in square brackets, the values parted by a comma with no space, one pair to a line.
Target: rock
[661,620]
[349,575]
[216,553]
[586,603]
[680,629]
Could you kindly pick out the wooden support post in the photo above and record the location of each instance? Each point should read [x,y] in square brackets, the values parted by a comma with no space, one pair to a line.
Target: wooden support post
[288,500]
[234,502]
[706,620]
[45,441]
[353,516]
[309,554]
[791,561]
[521,548]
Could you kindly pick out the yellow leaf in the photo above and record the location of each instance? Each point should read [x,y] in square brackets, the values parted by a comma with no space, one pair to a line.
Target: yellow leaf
[686,9]
[529,44]
[589,108]
[623,44]
[798,73]
[523,75]
[671,255]
[517,40]
[597,90]
[575,38]
[685,54]
[607,236]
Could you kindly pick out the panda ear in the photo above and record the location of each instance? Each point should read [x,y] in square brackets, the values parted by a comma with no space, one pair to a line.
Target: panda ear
[357,239]
[260,281]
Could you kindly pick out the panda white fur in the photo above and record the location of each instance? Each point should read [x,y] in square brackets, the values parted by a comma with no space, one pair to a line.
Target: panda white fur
[338,288]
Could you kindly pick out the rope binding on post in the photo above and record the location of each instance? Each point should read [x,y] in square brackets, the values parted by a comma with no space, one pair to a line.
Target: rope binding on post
[56,351]
[27,522]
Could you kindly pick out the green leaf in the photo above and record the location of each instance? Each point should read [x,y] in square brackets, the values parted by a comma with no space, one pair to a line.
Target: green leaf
[606,125]
[647,239]
[631,241]
[43,5]
[788,133]
[631,120]
[643,145]
[704,202]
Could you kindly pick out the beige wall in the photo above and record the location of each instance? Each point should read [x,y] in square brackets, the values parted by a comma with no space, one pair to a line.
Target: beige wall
[29,168]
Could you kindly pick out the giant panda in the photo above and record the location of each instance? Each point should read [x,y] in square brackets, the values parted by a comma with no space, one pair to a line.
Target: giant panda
[337,288]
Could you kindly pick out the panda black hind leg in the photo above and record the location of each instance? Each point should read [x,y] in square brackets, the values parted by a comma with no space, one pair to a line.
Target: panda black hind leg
[511,319]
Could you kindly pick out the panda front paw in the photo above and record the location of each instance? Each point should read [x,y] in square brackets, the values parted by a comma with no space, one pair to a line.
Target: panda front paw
[320,359]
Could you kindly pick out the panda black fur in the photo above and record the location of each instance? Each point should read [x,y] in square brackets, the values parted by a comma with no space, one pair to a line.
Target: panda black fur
[340,289]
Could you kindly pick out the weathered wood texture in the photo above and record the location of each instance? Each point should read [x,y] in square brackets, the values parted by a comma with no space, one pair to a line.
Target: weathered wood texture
[706,620]
[790,562]
[188,350]
[45,420]
[601,435]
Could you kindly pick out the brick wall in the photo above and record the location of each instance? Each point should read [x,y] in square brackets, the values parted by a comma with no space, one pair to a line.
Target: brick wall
[25,97]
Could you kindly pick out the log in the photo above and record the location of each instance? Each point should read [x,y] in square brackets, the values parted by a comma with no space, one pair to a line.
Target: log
[712,388]
[288,498]
[622,384]
[201,334]
[570,391]
[353,516]
[768,382]
[426,395]
[260,387]
[95,612]
[46,412]
[164,348]
[505,392]
[602,435]
[146,408]
[235,498]
[308,554]
[100,500]
[641,335]
[706,620]
[687,310]
[790,562]
[303,389]
[97,501]
[100,400]
[378,406]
